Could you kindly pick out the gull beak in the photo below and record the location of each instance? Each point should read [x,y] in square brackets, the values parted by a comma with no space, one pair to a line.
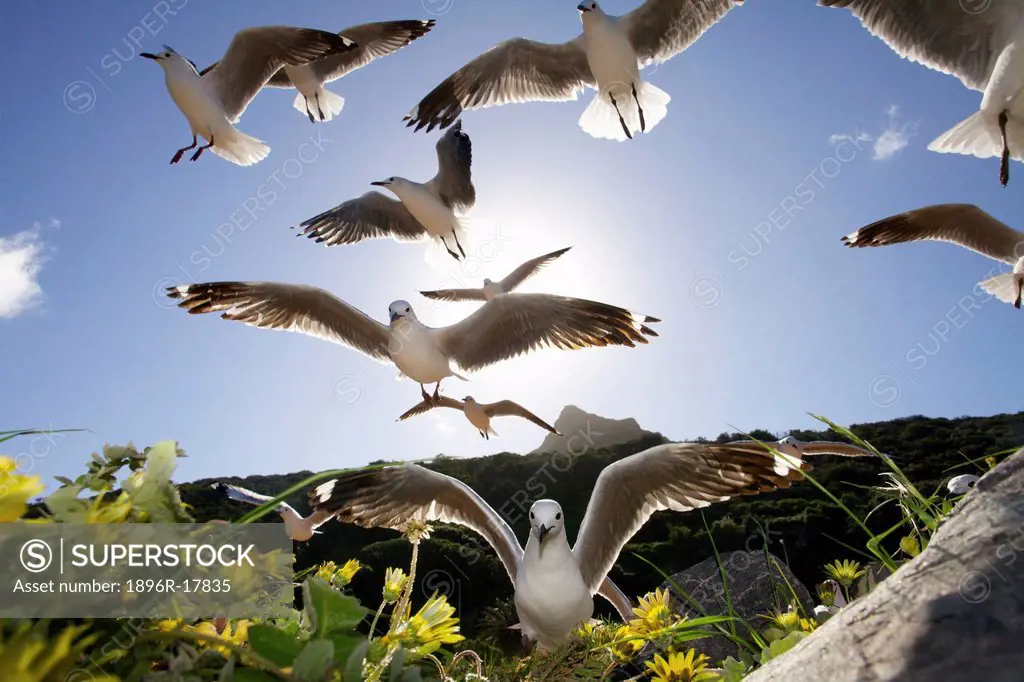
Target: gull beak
[582,7]
[380,183]
[149,55]
[395,316]
[542,532]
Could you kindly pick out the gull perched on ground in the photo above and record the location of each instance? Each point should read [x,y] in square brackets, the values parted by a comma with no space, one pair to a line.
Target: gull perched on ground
[962,224]
[479,414]
[958,485]
[554,584]
[215,98]
[491,289]
[981,48]
[501,329]
[607,57]
[374,41]
[423,211]
[298,527]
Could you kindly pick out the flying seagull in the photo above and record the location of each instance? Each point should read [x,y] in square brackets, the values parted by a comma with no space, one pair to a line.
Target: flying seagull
[374,41]
[298,527]
[215,98]
[607,57]
[479,414]
[981,48]
[554,584]
[792,447]
[962,224]
[491,289]
[958,485]
[501,329]
[423,211]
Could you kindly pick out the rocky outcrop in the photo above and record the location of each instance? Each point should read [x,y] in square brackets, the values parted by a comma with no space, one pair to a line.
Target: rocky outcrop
[583,431]
[756,588]
[955,613]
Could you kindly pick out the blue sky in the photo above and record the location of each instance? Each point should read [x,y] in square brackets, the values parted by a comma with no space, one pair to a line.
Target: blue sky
[789,126]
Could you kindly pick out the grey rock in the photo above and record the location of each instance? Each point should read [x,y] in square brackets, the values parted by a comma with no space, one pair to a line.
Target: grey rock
[954,613]
[584,431]
[755,589]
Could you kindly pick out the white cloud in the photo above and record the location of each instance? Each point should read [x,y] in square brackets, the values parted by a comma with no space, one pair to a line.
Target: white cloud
[894,136]
[21,260]
[443,424]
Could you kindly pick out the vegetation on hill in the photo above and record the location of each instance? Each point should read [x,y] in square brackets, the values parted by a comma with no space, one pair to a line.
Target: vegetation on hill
[381,605]
[804,527]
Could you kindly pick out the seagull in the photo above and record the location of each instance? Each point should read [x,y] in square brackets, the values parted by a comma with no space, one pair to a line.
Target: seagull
[502,328]
[981,48]
[962,224]
[215,98]
[374,41]
[480,414]
[423,210]
[607,57]
[792,447]
[299,528]
[958,485]
[492,289]
[554,584]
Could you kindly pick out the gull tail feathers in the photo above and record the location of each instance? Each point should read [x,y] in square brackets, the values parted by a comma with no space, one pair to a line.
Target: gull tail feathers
[329,103]
[238,148]
[1003,287]
[974,136]
[601,120]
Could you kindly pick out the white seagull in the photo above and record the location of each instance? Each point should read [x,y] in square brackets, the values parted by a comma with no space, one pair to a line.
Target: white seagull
[981,48]
[427,210]
[793,447]
[962,224]
[501,329]
[555,584]
[607,57]
[374,41]
[215,98]
[491,289]
[958,485]
[479,414]
[298,527]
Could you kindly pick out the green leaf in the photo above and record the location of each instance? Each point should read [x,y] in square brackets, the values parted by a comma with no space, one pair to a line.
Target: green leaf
[227,673]
[732,670]
[354,667]
[781,646]
[274,644]
[329,609]
[314,661]
[344,645]
[253,675]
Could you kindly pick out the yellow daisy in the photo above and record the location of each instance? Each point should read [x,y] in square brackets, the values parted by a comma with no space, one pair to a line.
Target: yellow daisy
[678,667]
[15,491]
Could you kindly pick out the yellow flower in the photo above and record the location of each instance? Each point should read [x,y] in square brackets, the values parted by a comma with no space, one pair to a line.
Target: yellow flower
[990,461]
[844,572]
[339,577]
[787,622]
[431,626]
[625,644]
[15,491]
[688,667]
[653,613]
[347,572]
[417,530]
[826,595]
[27,654]
[117,511]
[395,581]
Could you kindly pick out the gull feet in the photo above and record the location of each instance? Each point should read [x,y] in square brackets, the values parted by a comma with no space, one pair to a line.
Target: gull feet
[177,155]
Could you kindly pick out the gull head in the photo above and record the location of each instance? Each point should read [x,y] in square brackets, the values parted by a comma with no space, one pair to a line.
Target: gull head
[297,527]
[487,281]
[169,59]
[399,310]
[468,400]
[394,183]
[588,6]
[546,519]
[789,440]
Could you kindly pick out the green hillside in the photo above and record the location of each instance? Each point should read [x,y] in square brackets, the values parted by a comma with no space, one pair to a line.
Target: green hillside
[804,527]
